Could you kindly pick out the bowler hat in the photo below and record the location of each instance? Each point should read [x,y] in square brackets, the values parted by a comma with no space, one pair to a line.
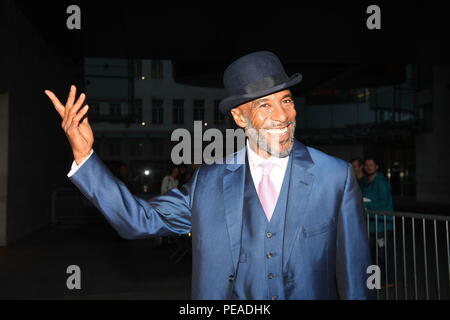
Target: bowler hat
[252,76]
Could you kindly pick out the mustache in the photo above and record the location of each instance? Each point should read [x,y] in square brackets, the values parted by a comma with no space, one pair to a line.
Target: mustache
[272,124]
[275,125]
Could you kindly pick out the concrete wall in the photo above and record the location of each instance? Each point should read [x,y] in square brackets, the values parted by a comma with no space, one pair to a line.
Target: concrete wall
[432,148]
[38,153]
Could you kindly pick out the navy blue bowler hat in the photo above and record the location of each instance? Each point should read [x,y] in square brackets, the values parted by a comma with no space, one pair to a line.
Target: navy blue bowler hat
[252,76]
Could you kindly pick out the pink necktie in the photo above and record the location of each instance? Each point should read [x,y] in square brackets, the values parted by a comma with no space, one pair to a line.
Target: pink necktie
[266,190]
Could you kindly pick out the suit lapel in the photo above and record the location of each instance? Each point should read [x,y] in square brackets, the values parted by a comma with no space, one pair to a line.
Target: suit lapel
[301,183]
[233,193]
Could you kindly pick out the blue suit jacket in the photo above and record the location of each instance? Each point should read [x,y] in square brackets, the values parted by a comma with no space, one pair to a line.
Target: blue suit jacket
[325,247]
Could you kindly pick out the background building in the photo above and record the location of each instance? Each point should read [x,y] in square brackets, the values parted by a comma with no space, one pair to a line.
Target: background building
[135,106]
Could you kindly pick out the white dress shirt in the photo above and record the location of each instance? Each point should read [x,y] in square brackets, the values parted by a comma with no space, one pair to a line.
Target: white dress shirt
[276,174]
[75,167]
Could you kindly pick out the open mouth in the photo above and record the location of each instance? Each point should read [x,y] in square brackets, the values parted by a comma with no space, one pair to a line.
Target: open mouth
[279,133]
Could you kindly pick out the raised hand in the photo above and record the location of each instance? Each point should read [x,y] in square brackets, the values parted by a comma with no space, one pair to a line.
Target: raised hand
[75,123]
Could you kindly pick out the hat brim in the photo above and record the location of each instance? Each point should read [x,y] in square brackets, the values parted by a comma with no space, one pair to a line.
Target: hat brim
[231,102]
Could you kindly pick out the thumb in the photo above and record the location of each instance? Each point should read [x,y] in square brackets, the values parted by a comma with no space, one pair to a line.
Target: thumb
[85,121]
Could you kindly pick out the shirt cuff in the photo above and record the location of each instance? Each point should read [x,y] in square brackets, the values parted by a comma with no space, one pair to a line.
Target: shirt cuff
[75,167]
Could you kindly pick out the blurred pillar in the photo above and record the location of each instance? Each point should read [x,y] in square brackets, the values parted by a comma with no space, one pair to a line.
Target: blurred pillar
[4,124]
[432,148]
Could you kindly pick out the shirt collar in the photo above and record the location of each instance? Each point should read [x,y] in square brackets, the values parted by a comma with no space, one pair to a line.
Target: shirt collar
[255,160]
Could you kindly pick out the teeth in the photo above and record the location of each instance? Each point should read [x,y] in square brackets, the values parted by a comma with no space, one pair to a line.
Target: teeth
[277,131]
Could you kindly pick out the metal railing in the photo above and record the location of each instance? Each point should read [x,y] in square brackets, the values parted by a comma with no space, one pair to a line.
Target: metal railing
[413,253]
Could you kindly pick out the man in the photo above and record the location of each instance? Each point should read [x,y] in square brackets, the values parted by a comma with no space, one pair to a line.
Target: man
[376,191]
[377,196]
[278,220]
[170,181]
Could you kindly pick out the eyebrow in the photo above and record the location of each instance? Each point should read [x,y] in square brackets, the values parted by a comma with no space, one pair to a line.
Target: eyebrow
[289,95]
[259,101]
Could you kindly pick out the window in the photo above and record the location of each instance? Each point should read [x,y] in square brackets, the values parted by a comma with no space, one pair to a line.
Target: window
[138,110]
[114,109]
[114,149]
[178,111]
[219,117]
[199,109]
[157,69]
[157,111]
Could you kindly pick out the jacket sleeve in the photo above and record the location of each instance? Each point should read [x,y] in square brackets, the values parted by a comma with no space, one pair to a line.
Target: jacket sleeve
[352,252]
[131,216]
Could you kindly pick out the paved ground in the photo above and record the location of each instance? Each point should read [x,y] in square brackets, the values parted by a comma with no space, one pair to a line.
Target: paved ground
[111,267]
[114,268]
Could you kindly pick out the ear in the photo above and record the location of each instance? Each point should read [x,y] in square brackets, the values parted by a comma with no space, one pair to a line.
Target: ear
[238,117]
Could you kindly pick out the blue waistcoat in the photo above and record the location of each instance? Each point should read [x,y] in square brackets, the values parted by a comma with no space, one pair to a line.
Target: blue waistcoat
[260,269]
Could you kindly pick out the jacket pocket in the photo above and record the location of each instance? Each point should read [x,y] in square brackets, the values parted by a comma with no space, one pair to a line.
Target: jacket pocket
[312,231]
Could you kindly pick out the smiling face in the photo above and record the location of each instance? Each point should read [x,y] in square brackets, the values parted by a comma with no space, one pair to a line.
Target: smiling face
[269,123]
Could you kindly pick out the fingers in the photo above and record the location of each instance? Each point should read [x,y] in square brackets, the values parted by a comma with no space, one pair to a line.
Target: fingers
[76,121]
[71,98]
[69,103]
[71,112]
[78,104]
[56,103]
[80,115]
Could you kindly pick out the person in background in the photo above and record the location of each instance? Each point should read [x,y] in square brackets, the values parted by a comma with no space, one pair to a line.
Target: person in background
[358,168]
[377,196]
[182,174]
[170,181]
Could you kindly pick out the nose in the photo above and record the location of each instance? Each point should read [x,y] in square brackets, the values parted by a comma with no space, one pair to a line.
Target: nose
[279,114]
